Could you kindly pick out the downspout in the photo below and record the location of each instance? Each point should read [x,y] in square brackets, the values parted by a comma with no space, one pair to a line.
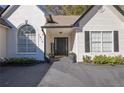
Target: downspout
[44,44]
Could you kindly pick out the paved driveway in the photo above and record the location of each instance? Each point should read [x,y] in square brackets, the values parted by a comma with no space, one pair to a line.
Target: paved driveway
[66,74]
[22,76]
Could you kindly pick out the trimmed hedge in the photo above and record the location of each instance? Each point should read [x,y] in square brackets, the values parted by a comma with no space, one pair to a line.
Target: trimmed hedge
[18,61]
[103,59]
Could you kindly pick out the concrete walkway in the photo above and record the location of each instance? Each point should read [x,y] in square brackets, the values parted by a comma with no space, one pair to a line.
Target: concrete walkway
[64,73]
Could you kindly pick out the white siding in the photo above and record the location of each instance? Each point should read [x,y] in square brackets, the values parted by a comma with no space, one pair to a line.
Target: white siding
[36,18]
[3,41]
[103,20]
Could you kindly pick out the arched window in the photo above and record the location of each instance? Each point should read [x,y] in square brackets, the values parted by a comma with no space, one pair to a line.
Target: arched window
[26,39]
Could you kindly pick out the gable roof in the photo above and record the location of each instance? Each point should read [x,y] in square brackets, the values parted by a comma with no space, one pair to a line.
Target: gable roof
[119,9]
[115,6]
[74,23]
[61,21]
[83,15]
[66,21]
[11,8]
[4,9]
[1,9]
[4,23]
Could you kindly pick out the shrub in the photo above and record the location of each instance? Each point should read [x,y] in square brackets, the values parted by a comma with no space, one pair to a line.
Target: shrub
[112,60]
[108,60]
[20,61]
[3,60]
[103,59]
[100,59]
[122,60]
[119,59]
[87,59]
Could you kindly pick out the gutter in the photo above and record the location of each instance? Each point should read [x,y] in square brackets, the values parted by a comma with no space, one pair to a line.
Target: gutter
[69,26]
[5,26]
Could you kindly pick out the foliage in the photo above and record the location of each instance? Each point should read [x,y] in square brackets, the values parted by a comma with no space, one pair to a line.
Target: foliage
[66,9]
[103,59]
[87,59]
[100,59]
[112,60]
[19,61]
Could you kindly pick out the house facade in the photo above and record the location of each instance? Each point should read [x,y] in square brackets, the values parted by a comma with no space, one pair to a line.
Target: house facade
[29,31]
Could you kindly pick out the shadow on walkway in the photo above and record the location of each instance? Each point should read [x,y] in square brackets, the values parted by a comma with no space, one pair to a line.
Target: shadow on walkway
[23,76]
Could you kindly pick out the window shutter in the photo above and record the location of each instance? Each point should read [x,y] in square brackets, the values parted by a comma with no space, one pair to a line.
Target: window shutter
[87,41]
[116,41]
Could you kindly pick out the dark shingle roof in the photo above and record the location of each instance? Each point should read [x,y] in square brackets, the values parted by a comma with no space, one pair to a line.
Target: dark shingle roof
[1,9]
[4,23]
[120,9]
[60,21]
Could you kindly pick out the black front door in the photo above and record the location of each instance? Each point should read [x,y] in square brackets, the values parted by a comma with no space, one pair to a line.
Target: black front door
[61,46]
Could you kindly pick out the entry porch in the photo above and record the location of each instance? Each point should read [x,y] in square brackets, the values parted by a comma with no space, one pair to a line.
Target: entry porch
[60,41]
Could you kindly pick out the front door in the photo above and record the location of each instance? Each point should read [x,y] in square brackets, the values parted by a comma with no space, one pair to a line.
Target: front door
[61,46]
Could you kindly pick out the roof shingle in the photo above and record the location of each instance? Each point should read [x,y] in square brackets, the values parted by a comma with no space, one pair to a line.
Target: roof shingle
[62,21]
[4,23]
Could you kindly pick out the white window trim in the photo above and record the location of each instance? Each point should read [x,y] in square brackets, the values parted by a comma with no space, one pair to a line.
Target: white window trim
[101,51]
[25,53]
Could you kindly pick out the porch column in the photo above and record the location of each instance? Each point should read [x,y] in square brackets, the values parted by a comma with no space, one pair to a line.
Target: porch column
[79,44]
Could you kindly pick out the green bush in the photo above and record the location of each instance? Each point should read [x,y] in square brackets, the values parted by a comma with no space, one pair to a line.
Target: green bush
[87,59]
[20,61]
[100,59]
[103,59]
[119,59]
[122,60]
[111,60]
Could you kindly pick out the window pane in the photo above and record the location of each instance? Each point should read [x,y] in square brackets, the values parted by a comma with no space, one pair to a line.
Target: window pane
[107,47]
[21,48]
[107,36]
[21,40]
[31,48]
[95,41]
[96,47]
[107,41]
[101,40]
[26,39]
[96,36]
[31,39]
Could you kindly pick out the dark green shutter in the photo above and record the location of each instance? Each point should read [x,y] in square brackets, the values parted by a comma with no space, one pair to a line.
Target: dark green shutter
[87,41]
[116,41]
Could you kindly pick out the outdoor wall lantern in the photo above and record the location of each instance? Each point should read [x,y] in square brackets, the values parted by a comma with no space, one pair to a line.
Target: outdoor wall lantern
[60,32]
